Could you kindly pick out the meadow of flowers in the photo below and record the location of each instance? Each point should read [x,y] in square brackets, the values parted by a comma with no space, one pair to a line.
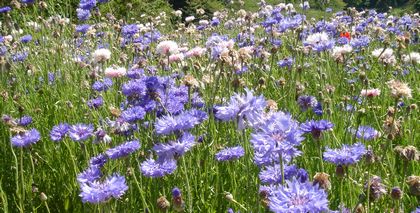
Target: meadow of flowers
[266,111]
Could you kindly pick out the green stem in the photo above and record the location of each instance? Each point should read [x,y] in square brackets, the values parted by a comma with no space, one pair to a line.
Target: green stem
[188,186]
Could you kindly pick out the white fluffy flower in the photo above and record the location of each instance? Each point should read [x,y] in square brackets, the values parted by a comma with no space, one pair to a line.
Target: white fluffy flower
[101,55]
[317,38]
[167,47]
[338,53]
[115,72]
[385,56]
[189,18]
[413,57]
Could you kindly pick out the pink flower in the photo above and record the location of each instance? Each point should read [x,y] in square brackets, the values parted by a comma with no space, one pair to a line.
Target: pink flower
[167,47]
[176,57]
[195,52]
[115,72]
[370,93]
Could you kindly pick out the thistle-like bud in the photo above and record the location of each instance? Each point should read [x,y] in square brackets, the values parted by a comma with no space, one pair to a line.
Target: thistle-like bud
[376,188]
[178,203]
[396,193]
[43,196]
[414,183]
[339,171]
[163,204]
[323,180]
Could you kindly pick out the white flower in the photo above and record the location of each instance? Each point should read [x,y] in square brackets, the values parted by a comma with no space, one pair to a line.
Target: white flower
[101,55]
[385,56]
[317,38]
[178,13]
[189,18]
[339,52]
[413,57]
[167,47]
[115,72]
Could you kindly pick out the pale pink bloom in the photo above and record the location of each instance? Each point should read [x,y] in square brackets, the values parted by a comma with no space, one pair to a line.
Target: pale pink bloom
[176,57]
[101,55]
[195,52]
[370,93]
[115,72]
[167,47]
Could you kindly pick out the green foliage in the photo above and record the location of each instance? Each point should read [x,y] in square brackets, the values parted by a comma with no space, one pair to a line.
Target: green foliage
[209,6]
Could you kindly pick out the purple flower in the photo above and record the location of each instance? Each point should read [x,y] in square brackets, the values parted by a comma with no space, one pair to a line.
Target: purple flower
[102,85]
[316,127]
[177,148]
[83,15]
[5,9]
[305,102]
[365,132]
[128,31]
[184,121]
[279,135]
[26,38]
[98,160]
[346,155]
[23,140]
[90,174]
[95,103]
[245,107]
[298,197]
[159,168]
[80,132]
[83,28]
[230,153]
[123,150]
[87,4]
[176,192]
[358,43]
[96,192]
[133,114]
[272,174]
[287,62]
[134,87]
[58,132]
[24,121]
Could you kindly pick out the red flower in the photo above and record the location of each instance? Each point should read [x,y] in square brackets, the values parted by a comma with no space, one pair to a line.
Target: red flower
[345,34]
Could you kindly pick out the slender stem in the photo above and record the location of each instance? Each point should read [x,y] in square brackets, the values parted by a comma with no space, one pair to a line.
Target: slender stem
[22,181]
[188,186]
[282,169]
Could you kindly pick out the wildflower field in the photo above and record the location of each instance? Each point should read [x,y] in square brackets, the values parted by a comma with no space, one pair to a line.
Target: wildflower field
[235,111]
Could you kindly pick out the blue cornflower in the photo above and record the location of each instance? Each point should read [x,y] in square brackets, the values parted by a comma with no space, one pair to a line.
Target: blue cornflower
[83,28]
[287,62]
[3,50]
[25,139]
[82,14]
[343,40]
[278,136]
[272,174]
[128,31]
[24,121]
[123,150]
[135,73]
[28,1]
[95,103]
[133,114]
[87,4]
[90,174]
[358,43]
[58,132]
[184,121]
[306,101]
[231,153]
[102,85]
[316,127]
[26,38]
[96,192]
[318,109]
[134,87]
[365,132]
[5,9]
[244,107]
[175,149]
[298,197]
[98,160]
[20,56]
[80,132]
[346,155]
[159,168]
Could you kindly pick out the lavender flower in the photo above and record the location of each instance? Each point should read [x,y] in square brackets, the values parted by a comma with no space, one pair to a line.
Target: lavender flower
[177,148]
[59,131]
[97,192]
[123,149]
[365,132]
[305,102]
[26,38]
[184,121]
[245,107]
[90,174]
[102,85]
[24,121]
[316,127]
[159,168]
[287,62]
[230,153]
[87,4]
[298,197]
[95,103]
[272,174]
[376,187]
[98,160]
[133,114]
[23,140]
[5,9]
[80,132]
[83,15]
[346,155]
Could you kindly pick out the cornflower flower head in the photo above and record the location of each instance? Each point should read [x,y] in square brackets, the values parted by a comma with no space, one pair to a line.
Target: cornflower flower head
[319,42]
[184,121]
[95,103]
[278,136]
[133,114]
[287,62]
[98,160]
[273,174]
[24,120]
[158,168]
[82,14]
[346,155]
[306,102]
[298,197]
[102,85]
[26,38]
[27,138]
[399,89]
[5,9]
[376,187]
[81,132]
[175,149]
[385,56]
[123,150]
[316,127]
[115,72]
[370,93]
[230,153]
[87,4]
[365,132]
[166,48]
[97,192]
[90,174]
[101,55]
[413,57]
[128,31]
[358,43]
[59,131]
[244,107]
